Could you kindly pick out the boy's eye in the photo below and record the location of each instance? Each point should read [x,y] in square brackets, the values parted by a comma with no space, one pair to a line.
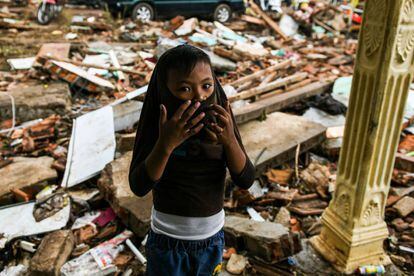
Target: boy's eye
[207,86]
[185,89]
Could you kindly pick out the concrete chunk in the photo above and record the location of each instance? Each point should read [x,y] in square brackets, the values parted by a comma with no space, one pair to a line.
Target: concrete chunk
[25,172]
[36,101]
[290,131]
[52,253]
[266,240]
[134,211]
[125,142]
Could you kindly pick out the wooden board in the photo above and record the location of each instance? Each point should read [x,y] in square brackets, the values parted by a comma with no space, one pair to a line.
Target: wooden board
[280,134]
[257,109]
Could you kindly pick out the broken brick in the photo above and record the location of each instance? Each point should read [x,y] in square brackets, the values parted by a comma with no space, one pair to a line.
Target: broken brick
[52,253]
[405,206]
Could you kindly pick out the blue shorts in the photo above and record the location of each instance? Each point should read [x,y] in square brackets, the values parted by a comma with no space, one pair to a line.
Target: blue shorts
[169,256]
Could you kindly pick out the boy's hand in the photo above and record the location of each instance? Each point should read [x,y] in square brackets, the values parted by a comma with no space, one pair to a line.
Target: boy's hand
[176,130]
[223,130]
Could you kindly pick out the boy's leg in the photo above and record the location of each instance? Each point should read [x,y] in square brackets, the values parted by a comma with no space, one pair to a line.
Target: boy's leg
[208,261]
[165,259]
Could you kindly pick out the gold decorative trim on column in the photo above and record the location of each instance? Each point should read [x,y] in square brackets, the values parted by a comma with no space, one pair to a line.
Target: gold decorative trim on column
[353,226]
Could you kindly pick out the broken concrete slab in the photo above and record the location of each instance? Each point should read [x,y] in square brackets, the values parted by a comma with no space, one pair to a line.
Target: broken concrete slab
[405,206]
[36,101]
[25,172]
[266,151]
[134,211]
[266,240]
[58,50]
[52,253]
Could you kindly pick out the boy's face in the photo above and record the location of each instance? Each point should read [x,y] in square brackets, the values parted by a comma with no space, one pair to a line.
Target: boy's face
[198,85]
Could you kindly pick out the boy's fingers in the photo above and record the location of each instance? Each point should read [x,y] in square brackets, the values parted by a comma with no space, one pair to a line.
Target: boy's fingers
[218,130]
[196,120]
[180,111]
[211,134]
[223,119]
[194,130]
[219,109]
[163,114]
[190,111]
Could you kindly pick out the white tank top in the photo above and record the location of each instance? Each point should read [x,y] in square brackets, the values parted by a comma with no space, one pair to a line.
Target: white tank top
[186,228]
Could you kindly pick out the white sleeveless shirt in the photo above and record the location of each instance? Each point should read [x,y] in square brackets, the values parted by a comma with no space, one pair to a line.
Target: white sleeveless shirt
[186,228]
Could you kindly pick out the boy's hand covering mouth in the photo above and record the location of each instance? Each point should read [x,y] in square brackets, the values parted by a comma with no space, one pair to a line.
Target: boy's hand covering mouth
[223,129]
[180,126]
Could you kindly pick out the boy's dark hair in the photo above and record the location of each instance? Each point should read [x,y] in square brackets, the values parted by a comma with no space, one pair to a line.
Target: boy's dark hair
[183,58]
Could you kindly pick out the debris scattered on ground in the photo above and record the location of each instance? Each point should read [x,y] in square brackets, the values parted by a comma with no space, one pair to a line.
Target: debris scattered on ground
[70,97]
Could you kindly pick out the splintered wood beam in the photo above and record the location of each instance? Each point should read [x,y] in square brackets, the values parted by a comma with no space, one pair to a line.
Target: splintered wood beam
[268,87]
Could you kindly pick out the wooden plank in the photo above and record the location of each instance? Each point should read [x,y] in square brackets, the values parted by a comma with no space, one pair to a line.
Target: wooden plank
[273,141]
[268,87]
[255,75]
[257,109]
[269,21]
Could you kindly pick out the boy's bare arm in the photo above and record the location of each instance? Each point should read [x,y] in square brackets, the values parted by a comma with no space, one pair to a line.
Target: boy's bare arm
[156,161]
[236,159]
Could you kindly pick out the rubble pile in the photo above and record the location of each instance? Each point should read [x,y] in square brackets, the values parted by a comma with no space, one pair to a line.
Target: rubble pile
[70,97]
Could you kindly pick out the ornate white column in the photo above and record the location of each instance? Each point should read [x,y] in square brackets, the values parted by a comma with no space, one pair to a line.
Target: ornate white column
[353,225]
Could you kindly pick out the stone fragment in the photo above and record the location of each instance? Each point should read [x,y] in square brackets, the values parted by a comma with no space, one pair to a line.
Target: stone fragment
[398,260]
[125,142]
[283,217]
[236,264]
[25,172]
[316,178]
[52,253]
[400,224]
[405,206]
[36,101]
[308,207]
[266,240]
[311,226]
[134,211]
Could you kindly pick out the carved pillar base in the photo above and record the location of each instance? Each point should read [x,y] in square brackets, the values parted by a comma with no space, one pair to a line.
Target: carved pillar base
[346,251]
[353,224]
